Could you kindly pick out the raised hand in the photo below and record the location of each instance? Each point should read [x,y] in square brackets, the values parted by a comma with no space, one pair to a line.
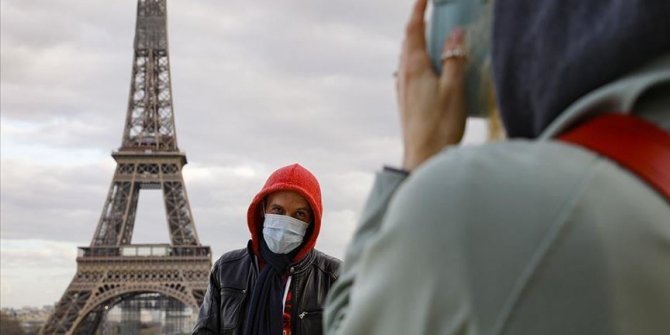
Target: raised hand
[432,108]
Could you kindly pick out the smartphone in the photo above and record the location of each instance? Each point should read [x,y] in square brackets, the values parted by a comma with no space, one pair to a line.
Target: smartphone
[474,16]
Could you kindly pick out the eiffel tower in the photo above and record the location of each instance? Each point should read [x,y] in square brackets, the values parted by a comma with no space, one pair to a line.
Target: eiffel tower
[112,269]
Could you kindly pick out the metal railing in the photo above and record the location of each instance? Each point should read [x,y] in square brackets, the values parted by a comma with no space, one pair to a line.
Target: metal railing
[144,250]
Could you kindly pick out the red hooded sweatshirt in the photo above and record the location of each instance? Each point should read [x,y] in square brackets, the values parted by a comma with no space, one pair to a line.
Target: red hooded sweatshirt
[289,178]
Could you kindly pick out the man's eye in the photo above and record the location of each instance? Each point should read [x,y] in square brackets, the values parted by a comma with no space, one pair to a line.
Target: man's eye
[275,210]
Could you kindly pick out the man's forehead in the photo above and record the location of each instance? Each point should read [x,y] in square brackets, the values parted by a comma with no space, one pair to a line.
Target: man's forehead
[285,195]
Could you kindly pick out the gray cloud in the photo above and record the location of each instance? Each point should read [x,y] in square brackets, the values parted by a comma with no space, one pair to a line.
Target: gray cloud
[255,86]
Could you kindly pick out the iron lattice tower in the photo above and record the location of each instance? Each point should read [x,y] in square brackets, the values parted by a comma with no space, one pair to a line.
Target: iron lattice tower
[112,269]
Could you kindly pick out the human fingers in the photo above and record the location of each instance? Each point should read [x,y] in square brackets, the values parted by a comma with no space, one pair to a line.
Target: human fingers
[452,85]
[454,59]
[415,31]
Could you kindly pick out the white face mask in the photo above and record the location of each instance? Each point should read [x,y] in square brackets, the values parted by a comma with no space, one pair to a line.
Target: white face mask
[283,233]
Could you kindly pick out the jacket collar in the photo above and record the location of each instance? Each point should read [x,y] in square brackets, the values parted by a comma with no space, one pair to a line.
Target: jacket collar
[297,267]
[616,97]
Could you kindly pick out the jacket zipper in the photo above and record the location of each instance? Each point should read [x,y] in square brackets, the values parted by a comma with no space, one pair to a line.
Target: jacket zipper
[306,314]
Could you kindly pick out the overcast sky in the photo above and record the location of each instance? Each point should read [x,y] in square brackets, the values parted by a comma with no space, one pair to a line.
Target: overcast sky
[256,86]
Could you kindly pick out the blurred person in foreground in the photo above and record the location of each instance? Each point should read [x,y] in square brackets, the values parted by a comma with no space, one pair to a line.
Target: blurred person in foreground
[279,282]
[538,234]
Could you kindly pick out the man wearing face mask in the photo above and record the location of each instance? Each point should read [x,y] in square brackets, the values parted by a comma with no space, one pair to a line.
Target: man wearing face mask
[279,282]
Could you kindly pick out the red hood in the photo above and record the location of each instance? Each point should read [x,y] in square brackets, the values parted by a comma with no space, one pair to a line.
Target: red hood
[289,178]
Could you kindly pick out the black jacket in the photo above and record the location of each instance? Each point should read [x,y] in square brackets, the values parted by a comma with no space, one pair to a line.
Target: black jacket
[233,276]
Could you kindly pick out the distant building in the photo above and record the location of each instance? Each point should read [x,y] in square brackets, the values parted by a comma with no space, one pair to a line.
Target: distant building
[30,319]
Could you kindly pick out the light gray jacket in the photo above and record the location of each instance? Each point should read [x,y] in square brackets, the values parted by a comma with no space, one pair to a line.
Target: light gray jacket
[520,237]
